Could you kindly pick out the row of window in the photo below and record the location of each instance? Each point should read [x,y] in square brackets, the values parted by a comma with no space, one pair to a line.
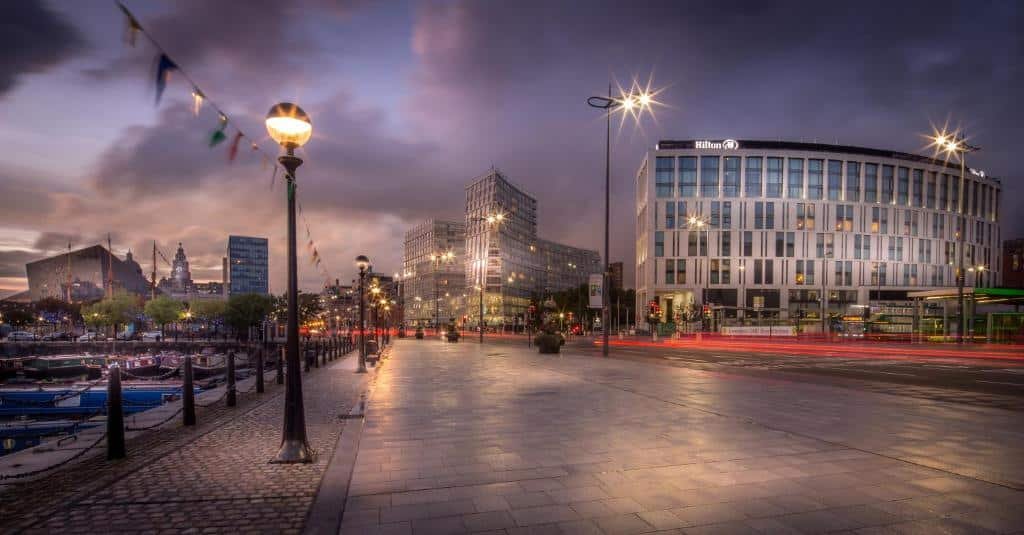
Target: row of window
[807,272]
[820,179]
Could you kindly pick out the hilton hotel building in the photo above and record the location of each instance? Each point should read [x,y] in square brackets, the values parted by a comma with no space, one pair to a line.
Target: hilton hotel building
[780,225]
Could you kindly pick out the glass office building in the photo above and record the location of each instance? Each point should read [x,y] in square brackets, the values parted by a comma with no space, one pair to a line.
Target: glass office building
[247,265]
[805,229]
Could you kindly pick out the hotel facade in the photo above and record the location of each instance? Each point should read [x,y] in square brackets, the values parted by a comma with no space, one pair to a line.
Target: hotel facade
[804,230]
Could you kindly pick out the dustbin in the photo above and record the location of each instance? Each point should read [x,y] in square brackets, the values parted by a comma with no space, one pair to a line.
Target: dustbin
[372,350]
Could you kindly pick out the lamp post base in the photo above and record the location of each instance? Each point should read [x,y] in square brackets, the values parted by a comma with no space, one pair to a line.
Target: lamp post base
[293,451]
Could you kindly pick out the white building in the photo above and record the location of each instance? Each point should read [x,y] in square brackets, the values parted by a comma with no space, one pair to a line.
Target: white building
[789,229]
[433,272]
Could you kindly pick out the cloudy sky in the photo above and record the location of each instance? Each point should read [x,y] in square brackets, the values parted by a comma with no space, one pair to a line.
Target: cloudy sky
[410,100]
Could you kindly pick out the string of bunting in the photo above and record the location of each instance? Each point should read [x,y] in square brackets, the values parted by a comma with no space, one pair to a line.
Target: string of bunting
[165,67]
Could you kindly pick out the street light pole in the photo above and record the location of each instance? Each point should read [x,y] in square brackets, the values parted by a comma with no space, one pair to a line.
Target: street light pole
[362,262]
[291,128]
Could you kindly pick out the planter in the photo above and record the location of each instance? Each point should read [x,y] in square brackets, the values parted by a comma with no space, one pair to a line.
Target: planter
[453,336]
[549,343]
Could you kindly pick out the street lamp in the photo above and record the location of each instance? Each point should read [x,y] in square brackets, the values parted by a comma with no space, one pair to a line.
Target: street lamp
[491,220]
[633,102]
[363,263]
[953,144]
[699,224]
[291,128]
[436,259]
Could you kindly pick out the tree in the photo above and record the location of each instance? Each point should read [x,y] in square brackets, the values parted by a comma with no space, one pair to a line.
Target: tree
[164,310]
[118,310]
[19,317]
[208,311]
[247,310]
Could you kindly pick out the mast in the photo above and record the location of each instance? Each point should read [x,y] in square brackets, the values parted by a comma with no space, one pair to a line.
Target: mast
[70,299]
[110,269]
[152,277]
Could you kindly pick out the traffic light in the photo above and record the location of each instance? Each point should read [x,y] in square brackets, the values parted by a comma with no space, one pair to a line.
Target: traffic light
[706,310]
[653,309]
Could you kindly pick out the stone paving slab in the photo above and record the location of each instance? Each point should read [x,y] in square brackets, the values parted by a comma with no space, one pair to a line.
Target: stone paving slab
[462,438]
[213,479]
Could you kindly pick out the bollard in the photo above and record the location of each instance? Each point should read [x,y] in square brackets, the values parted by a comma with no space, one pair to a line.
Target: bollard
[280,365]
[260,353]
[115,416]
[304,350]
[316,354]
[232,396]
[188,395]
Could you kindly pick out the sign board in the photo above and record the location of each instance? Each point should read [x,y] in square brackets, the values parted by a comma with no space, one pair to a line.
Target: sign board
[596,290]
[764,330]
[758,302]
[726,144]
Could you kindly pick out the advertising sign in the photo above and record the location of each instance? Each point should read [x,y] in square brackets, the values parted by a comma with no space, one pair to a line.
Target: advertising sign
[596,290]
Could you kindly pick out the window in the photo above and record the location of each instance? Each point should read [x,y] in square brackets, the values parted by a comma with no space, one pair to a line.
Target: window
[870,182]
[773,180]
[764,215]
[726,244]
[748,243]
[680,271]
[753,177]
[691,243]
[709,176]
[726,273]
[878,274]
[844,273]
[796,178]
[944,193]
[670,215]
[681,214]
[687,176]
[895,248]
[954,195]
[887,184]
[720,271]
[825,245]
[804,216]
[731,177]
[716,214]
[769,272]
[727,214]
[917,193]
[861,247]
[663,179]
[903,186]
[835,180]
[670,271]
[659,243]
[853,181]
[914,216]
[713,271]
[804,272]
[906,221]
[844,217]
[924,251]
[815,168]
[780,244]
[880,219]
[929,198]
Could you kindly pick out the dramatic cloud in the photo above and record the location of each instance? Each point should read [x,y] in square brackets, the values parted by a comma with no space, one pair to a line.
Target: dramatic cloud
[34,39]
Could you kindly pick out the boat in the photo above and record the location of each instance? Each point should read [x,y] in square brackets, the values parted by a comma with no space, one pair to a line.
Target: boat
[83,398]
[11,367]
[61,367]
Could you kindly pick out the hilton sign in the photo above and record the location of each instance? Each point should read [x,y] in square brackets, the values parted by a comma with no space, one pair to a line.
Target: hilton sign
[728,144]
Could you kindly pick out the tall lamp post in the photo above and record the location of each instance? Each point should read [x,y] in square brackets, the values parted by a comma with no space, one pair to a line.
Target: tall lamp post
[490,219]
[956,145]
[436,259]
[633,103]
[699,224]
[363,263]
[291,128]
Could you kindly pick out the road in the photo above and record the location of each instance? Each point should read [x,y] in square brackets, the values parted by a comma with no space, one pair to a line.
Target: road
[990,376]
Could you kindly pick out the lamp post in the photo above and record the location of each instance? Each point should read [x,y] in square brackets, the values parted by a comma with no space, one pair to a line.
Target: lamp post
[700,224]
[956,145]
[631,102]
[362,262]
[291,128]
[490,220]
[436,259]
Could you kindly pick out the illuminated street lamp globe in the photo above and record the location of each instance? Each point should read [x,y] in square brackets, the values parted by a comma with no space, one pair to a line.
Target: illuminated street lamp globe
[288,125]
[362,262]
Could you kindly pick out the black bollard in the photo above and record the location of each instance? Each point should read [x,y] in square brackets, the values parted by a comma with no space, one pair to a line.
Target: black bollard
[316,353]
[232,396]
[188,395]
[115,416]
[280,365]
[305,357]
[259,370]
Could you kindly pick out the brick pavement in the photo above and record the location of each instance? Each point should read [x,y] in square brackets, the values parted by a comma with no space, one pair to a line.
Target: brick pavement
[212,479]
[462,438]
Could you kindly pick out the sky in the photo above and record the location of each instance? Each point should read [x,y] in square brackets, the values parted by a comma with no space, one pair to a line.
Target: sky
[411,100]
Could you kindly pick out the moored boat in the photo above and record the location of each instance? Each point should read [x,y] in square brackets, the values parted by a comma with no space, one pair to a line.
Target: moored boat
[61,367]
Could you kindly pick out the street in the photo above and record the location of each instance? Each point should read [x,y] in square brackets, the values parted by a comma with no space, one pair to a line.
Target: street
[467,437]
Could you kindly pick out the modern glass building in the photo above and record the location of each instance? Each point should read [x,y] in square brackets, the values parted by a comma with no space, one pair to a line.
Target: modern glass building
[514,264]
[801,230]
[433,273]
[247,265]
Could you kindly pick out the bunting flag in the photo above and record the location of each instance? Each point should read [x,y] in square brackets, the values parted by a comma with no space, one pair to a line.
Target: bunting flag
[233,149]
[132,26]
[164,66]
[273,178]
[218,135]
[197,100]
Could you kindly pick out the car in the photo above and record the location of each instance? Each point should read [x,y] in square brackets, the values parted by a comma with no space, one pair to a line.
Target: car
[56,337]
[91,337]
[152,336]
[21,336]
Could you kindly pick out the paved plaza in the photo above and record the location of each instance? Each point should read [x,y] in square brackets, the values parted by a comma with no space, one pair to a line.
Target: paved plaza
[463,438]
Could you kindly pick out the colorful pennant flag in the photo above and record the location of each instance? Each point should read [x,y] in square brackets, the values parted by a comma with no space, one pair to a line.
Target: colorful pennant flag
[233,149]
[218,136]
[132,27]
[197,100]
[164,66]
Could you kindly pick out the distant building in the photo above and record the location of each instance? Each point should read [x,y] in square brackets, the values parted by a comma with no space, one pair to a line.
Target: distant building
[616,275]
[248,265]
[433,271]
[89,269]
[513,263]
[1013,263]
